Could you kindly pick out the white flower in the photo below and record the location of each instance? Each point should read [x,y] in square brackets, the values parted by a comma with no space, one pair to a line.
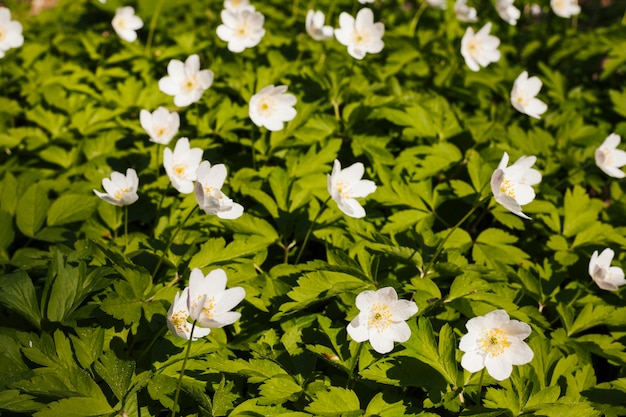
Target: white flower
[121,190]
[10,32]
[440,4]
[209,195]
[185,81]
[610,159]
[242,29]
[160,125]
[463,12]
[344,185]
[209,300]
[511,186]
[480,49]
[366,1]
[565,8]
[606,276]
[523,96]
[272,107]
[382,319]
[125,23]
[178,318]
[238,5]
[360,35]
[182,165]
[315,26]
[495,342]
[507,11]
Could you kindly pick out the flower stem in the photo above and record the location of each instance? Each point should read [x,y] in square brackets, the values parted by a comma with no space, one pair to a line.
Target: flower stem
[153,21]
[169,243]
[480,387]
[416,18]
[126,227]
[308,232]
[182,370]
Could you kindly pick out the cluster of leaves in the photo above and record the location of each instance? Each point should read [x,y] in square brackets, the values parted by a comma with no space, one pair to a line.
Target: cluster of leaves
[83,305]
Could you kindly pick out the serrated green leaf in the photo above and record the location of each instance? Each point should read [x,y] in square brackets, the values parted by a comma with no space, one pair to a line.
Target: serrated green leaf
[334,403]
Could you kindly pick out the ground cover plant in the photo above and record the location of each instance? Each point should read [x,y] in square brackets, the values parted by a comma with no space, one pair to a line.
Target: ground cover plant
[329,208]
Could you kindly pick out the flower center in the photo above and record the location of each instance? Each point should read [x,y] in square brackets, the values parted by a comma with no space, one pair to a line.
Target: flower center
[2,33]
[559,5]
[190,84]
[161,131]
[506,187]
[119,194]
[380,317]
[343,188]
[494,342]
[360,38]
[207,310]
[179,320]
[474,47]
[606,156]
[180,170]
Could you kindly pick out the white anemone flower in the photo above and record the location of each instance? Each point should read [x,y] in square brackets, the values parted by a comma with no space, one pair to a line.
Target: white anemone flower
[495,342]
[565,8]
[360,35]
[121,190]
[512,186]
[480,49]
[238,5]
[607,277]
[610,159]
[507,11]
[381,319]
[209,300]
[523,96]
[366,1]
[315,26]
[439,4]
[345,185]
[185,81]
[465,13]
[10,32]
[241,29]
[125,23]
[209,195]
[272,107]
[178,318]
[160,125]
[182,165]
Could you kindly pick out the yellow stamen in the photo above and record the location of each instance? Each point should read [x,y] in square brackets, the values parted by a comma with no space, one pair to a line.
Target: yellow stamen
[494,342]
[380,317]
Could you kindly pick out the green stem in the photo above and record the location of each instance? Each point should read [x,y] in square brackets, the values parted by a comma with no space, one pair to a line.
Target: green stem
[153,21]
[126,227]
[182,370]
[169,244]
[308,232]
[480,387]
[416,18]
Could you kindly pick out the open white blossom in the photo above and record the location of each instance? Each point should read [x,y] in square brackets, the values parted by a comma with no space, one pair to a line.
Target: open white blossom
[439,4]
[185,81]
[315,26]
[160,125]
[610,159]
[366,1]
[512,186]
[565,8]
[495,342]
[209,195]
[182,165]
[126,23]
[465,13]
[179,321]
[523,96]
[272,107]
[606,276]
[241,29]
[121,190]
[238,5]
[10,32]
[360,35]
[480,49]
[507,11]
[209,300]
[345,185]
[381,319]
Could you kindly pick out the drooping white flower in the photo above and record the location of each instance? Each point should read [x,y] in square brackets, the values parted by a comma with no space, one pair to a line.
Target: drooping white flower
[178,319]
[272,107]
[512,186]
[238,5]
[610,159]
[182,165]
[381,319]
[160,125]
[480,49]
[360,35]
[496,342]
[209,196]
[241,29]
[565,8]
[507,11]
[606,276]
[439,4]
[121,190]
[10,32]
[126,23]
[185,81]
[209,300]
[465,13]
[345,185]
[315,26]
[523,96]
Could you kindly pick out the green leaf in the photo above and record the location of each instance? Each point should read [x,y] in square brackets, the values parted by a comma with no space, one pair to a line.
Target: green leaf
[18,293]
[216,252]
[77,407]
[579,210]
[496,245]
[379,407]
[116,372]
[14,400]
[32,209]
[590,316]
[279,389]
[335,402]
[70,208]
